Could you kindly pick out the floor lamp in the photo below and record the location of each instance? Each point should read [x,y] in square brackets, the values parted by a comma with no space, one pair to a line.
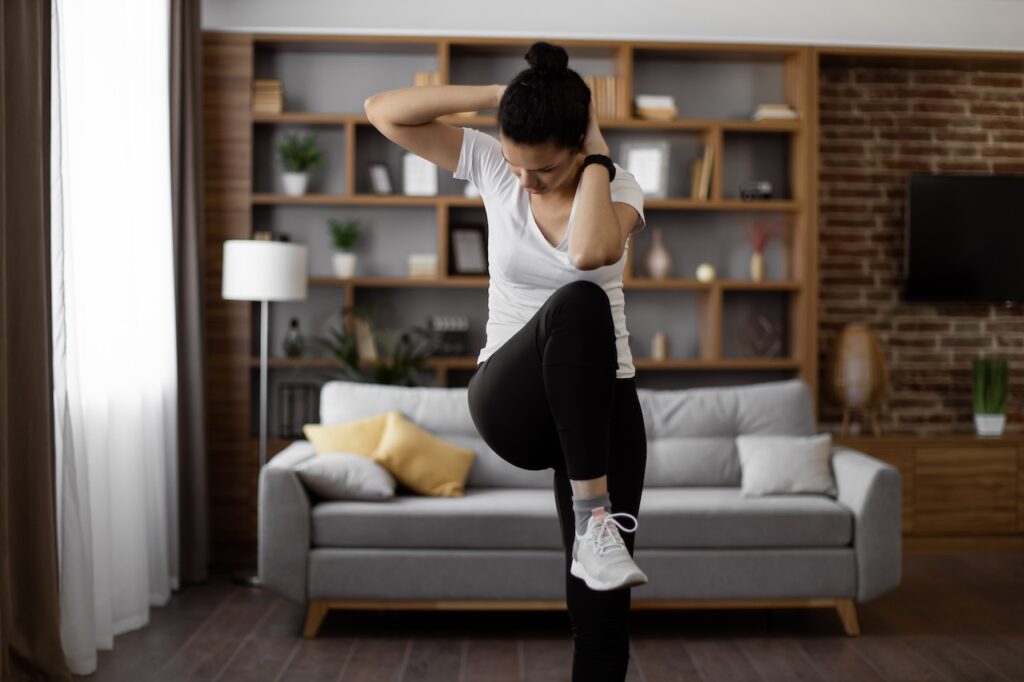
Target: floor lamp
[264,271]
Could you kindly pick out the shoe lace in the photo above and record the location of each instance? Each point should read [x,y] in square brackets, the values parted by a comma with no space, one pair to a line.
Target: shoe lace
[607,535]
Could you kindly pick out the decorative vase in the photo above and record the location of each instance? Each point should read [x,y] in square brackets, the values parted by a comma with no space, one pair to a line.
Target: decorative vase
[757,266]
[658,262]
[859,375]
[294,342]
[295,183]
[989,424]
[344,264]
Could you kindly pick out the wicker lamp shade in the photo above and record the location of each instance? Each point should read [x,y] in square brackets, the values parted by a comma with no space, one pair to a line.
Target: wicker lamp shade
[858,377]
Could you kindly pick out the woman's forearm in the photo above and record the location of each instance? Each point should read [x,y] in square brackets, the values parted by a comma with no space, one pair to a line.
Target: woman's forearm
[595,231]
[423,103]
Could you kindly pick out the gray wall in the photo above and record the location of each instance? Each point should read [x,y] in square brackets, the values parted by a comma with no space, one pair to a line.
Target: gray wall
[978,24]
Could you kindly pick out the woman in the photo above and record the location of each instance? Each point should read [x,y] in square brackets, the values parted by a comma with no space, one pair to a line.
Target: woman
[554,386]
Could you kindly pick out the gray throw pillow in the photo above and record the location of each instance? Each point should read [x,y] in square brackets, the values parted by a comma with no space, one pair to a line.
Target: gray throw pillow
[779,465]
[346,476]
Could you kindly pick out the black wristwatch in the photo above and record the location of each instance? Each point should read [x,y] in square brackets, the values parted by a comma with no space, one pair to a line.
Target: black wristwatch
[605,161]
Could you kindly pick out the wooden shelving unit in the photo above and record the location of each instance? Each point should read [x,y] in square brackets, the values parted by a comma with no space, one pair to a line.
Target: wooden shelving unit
[717,117]
[326,78]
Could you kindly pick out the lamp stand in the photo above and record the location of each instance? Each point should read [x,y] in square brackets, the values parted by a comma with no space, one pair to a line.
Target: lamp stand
[252,578]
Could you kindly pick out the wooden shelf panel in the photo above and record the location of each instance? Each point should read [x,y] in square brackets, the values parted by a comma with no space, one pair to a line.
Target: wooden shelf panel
[639,363]
[699,125]
[265,199]
[628,283]
[382,282]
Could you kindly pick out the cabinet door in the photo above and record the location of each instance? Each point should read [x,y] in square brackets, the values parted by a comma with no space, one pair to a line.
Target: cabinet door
[965,491]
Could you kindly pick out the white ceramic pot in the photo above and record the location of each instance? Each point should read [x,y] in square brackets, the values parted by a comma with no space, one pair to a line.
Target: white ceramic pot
[989,424]
[295,183]
[344,264]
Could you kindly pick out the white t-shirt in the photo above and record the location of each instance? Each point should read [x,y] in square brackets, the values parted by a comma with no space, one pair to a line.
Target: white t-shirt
[524,268]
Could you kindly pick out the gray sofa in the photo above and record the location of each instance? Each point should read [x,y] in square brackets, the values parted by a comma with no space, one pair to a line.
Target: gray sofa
[700,542]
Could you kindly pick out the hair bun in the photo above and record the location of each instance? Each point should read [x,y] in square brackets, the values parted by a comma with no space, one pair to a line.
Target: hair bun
[549,58]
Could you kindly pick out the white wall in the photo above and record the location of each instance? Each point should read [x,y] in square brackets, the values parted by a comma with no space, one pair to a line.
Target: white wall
[958,24]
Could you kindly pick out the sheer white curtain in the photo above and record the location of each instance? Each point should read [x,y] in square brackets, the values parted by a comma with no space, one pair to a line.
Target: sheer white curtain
[113,319]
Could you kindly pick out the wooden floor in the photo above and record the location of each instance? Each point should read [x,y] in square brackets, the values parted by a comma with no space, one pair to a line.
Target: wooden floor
[955,617]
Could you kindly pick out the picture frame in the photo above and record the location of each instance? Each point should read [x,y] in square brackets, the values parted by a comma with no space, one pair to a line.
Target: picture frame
[419,176]
[648,162]
[469,250]
[380,179]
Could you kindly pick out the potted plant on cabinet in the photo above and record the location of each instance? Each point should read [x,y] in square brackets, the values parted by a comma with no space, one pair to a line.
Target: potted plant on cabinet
[299,154]
[989,386]
[343,236]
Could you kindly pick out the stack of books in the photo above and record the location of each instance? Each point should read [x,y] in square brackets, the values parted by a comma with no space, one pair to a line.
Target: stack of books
[773,112]
[427,78]
[606,91]
[656,107]
[267,97]
[700,182]
[423,265]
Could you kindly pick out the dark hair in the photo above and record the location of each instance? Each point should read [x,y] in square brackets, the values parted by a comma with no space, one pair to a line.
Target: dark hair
[547,102]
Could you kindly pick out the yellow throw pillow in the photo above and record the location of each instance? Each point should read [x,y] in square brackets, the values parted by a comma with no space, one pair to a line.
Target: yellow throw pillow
[421,461]
[360,436]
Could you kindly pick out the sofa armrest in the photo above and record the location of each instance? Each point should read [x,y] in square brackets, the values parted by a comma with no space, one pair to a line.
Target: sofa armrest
[871,489]
[284,523]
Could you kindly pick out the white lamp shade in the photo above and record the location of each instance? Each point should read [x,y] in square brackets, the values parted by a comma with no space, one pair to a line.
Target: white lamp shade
[256,270]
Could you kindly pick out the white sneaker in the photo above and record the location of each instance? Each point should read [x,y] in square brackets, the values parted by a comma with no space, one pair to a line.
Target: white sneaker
[600,557]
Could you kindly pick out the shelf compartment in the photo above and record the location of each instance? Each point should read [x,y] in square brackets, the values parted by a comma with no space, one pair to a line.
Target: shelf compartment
[731,83]
[359,68]
[328,179]
[748,156]
[720,239]
[739,326]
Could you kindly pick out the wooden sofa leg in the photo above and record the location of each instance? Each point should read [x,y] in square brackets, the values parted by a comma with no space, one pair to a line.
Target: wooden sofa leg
[848,615]
[315,614]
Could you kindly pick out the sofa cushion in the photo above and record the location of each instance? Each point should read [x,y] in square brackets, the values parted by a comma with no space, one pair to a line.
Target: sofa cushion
[444,412]
[504,518]
[346,476]
[774,464]
[691,433]
[360,436]
[421,461]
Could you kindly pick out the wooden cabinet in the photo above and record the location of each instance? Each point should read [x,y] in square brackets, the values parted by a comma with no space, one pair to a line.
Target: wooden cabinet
[957,486]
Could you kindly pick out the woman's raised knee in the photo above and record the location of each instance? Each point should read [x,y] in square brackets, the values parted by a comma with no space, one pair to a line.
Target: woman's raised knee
[582,295]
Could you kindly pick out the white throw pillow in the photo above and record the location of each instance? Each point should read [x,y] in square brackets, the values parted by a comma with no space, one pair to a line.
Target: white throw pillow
[778,465]
[346,476]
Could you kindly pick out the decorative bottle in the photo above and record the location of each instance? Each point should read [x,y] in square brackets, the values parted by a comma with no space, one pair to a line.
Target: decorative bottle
[294,342]
[658,262]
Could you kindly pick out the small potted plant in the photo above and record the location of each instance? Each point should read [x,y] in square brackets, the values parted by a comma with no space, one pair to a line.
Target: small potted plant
[299,154]
[343,236]
[990,386]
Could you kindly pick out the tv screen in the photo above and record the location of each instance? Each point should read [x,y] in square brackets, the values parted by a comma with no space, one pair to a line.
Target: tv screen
[965,238]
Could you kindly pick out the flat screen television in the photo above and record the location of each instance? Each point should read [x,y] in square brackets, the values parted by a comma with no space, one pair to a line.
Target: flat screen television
[964,238]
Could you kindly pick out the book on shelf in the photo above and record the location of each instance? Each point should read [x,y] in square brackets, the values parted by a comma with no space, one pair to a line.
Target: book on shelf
[656,107]
[700,183]
[267,97]
[774,112]
[605,90]
[695,179]
[427,78]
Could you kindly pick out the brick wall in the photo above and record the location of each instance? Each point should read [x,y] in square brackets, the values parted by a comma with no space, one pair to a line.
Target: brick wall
[879,123]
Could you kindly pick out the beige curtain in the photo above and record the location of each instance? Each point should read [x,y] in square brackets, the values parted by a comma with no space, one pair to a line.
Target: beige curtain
[30,647]
[186,178]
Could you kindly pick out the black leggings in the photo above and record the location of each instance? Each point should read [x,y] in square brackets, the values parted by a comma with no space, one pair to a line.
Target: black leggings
[548,398]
